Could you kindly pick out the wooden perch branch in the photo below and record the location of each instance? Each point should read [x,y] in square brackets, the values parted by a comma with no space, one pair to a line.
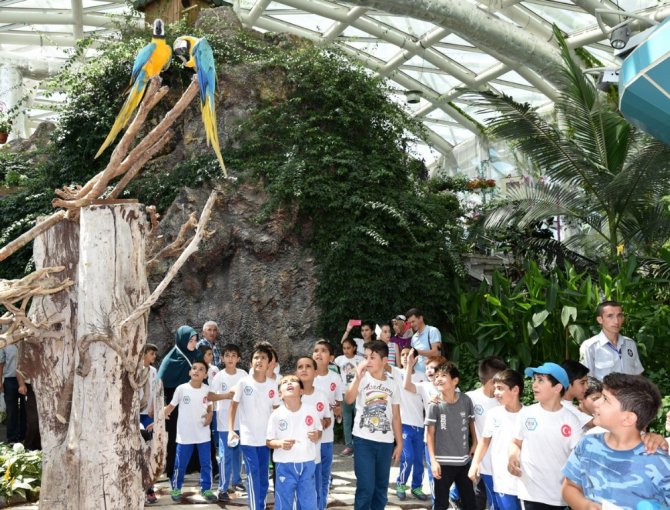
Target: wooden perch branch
[37,283]
[190,249]
[119,164]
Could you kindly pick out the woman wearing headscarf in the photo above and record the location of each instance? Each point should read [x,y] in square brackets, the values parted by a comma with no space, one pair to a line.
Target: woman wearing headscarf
[174,370]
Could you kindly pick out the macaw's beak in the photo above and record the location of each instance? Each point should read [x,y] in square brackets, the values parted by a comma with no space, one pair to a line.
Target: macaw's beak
[182,49]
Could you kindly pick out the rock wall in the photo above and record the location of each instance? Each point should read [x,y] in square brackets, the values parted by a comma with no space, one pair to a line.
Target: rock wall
[255,280]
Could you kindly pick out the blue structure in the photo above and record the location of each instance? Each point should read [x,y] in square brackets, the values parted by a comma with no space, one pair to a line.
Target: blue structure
[644,84]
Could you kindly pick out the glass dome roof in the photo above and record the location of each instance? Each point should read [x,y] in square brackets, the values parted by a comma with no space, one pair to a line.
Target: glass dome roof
[441,49]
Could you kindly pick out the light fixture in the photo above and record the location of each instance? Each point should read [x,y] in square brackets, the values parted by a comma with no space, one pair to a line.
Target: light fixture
[413,96]
[619,36]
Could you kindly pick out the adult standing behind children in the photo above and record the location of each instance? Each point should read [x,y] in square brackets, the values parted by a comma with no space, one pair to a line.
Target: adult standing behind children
[609,351]
[174,371]
[427,340]
[210,330]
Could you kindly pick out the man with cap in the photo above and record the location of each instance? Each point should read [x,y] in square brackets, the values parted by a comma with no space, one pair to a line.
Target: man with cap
[402,336]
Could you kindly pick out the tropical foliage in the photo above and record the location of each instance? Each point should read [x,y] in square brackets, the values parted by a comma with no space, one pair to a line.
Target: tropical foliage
[20,472]
[602,174]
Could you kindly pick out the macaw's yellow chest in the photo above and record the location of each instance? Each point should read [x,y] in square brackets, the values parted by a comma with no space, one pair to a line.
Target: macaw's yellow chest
[160,58]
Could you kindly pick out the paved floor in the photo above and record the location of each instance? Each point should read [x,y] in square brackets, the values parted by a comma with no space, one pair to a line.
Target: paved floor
[341,495]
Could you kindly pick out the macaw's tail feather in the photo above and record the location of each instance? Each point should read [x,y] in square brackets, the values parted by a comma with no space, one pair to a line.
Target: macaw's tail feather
[209,120]
[132,102]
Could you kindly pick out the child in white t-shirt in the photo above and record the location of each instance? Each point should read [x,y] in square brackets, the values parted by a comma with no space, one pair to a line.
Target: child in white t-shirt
[330,383]
[546,434]
[222,392]
[147,395]
[293,432]
[377,424]
[483,401]
[347,364]
[255,397]
[306,372]
[497,435]
[427,391]
[195,416]
[411,417]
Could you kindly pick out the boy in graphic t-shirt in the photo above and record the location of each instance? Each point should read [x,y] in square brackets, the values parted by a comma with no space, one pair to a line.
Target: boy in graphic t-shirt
[195,416]
[377,424]
[255,397]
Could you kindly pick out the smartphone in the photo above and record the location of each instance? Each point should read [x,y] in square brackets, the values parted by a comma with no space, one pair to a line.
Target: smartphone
[355,322]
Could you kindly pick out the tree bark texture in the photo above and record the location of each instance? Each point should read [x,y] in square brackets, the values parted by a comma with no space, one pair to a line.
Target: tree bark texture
[87,374]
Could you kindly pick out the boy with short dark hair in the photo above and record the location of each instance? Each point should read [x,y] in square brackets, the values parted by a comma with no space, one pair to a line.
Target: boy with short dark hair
[498,433]
[614,467]
[255,397]
[578,375]
[377,399]
[546,434]
[483,401]
[192,430]
[450,424]
[293,431]
[222,392]
[330,383]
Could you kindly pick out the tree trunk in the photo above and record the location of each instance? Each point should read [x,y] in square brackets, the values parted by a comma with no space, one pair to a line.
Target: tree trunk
[97,459]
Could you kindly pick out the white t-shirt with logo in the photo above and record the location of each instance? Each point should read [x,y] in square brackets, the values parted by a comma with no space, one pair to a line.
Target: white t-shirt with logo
[548,438]
[286,424]
[374,408]
[347,368]
[224,382]
[501,425]
[193,405]
[482,404]
[583,417]
[411,404]
[319,400]
[256,401]
[331,385]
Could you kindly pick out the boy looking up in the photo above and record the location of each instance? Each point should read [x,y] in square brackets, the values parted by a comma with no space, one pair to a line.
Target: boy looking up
[195,416]
[306,372]
[222,392]
[614,466]
[293,431]
[330,383]
[483,401]
[377,399]
[255,397]
[546,434]
[497,436]
[450,424]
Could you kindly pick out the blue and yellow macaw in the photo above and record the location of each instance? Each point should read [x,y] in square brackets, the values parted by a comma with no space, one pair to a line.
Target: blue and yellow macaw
[150,61]
[197,53]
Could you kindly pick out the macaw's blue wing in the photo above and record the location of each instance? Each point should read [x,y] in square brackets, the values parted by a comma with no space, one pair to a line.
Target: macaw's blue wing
[141,59]
[204,66]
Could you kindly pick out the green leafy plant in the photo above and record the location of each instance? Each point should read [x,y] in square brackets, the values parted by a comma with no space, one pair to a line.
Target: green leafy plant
[20,471]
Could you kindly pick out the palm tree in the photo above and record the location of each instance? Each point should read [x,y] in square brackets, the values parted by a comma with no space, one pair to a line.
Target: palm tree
[602,174]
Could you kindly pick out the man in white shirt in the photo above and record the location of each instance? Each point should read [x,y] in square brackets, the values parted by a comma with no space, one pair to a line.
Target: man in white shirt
[609,351]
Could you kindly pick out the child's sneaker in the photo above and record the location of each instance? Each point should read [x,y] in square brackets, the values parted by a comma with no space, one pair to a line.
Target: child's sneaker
[209,496]
[175,494]
[348,452]
[150,498]
[240,487]
[223,496]
[400,491]
[418,494]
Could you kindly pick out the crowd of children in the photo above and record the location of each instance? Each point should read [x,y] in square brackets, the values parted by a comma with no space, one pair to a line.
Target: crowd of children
[482,448]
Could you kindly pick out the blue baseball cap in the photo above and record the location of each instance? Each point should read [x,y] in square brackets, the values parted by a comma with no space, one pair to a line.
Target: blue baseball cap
[549,368]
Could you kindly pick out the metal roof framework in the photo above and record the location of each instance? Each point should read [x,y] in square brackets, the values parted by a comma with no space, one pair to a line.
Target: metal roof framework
[440,48]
